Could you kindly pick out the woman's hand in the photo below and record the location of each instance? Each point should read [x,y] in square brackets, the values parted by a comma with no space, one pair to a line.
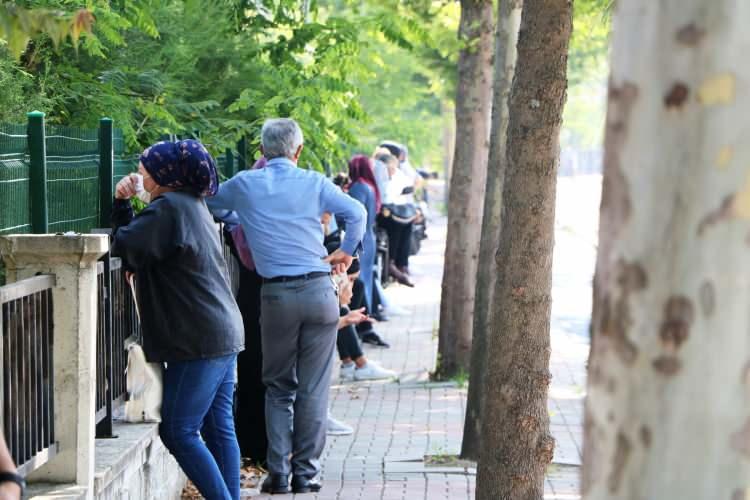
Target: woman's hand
[125,189]
[355,317]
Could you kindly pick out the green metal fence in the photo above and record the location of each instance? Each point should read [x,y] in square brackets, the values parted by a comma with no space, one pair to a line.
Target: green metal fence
[57,179]
[15,205]
[72,179]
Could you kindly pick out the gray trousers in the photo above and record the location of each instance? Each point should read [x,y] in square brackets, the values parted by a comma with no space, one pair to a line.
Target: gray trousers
[298,322]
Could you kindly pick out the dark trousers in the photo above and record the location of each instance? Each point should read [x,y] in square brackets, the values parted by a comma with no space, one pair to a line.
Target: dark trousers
[250,415]
[298,328]
[359,301]
[347,340]
[399,240]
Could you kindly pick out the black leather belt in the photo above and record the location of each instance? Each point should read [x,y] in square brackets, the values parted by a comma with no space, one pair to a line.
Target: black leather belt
[285,279]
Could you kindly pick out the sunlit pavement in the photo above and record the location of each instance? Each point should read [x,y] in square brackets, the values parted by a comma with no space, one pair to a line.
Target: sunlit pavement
[400,423]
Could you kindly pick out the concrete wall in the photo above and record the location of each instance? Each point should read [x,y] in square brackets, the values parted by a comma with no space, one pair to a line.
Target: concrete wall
[136,466]
[133,466]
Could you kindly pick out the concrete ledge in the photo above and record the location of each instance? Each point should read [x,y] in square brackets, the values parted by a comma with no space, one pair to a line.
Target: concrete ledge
[49,491]
[136,464]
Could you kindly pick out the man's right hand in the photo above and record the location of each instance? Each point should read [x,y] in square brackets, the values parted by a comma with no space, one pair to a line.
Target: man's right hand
[340,261]
[125,189]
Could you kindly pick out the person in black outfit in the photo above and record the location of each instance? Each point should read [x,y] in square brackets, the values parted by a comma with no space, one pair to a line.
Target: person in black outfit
[250,398]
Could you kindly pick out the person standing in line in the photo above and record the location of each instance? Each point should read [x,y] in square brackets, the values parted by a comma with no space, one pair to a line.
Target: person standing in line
[397,219]
[189,318]
[364,189]
[280,208]
[250,399]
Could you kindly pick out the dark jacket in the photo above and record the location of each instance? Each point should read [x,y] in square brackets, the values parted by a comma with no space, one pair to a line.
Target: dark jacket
[182,283]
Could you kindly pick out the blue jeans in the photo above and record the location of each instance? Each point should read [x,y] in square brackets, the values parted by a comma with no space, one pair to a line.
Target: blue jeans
[197,402]
[367,266]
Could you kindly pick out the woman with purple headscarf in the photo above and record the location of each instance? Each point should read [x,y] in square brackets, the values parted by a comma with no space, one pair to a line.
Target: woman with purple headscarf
[189,318]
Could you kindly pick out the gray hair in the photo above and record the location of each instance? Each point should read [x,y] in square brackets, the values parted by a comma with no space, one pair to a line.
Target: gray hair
[280,137]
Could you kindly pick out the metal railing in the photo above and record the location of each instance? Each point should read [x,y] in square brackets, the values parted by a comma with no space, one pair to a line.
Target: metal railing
[233,266]
[27,372]
[26,377]
[116,321]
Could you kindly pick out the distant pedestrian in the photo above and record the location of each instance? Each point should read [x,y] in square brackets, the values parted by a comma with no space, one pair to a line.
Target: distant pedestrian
[280,208]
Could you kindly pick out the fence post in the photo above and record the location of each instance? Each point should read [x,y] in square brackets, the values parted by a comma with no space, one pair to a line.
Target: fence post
[37,172]
[229,164]
[106,171]
[72,259]
[242,154]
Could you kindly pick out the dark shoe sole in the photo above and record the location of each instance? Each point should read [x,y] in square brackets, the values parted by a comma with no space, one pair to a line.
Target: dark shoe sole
[376,343]
[307,489]
[273,491]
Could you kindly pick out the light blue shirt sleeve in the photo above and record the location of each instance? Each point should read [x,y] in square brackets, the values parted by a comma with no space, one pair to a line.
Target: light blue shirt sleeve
[333,200]
[223,200]
[221,205]
[228,217]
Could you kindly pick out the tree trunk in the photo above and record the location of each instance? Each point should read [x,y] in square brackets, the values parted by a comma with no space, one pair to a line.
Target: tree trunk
[668,409]
[466,194]
[506,37]
[516,442]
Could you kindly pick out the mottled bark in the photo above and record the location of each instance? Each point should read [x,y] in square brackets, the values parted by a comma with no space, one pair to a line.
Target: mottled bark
[668,407]
[506,37]
[466,195]
[516,441]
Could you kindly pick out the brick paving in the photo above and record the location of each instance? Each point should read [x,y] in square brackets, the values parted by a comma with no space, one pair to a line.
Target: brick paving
[398,424]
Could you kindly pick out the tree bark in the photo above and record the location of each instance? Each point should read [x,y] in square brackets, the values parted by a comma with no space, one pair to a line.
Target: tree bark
[506,37]
[668,409]
[516,442]
[466,194]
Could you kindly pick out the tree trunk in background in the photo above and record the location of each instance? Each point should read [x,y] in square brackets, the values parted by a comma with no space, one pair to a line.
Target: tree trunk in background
[668,409]
[506,36]
[466,195]
[516,442]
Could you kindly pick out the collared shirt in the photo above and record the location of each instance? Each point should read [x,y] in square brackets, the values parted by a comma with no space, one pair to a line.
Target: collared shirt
[280,208]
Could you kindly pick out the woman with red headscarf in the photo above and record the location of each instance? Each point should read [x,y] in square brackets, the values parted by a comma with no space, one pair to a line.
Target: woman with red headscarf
[364,189]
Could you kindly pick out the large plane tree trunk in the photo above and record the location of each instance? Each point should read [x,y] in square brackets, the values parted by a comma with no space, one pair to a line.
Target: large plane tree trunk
[668,409]
[506,36]
[516,441]
[466,195]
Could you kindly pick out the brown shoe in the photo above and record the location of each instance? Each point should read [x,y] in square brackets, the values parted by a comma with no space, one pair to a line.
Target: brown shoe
[399,276]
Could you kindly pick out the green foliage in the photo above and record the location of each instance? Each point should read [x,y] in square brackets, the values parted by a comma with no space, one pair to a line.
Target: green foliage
[583,119]
[19,93]
[19,24]
[352,73]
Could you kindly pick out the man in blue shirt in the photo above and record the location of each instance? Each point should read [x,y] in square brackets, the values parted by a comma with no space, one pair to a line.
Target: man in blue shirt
[279,208]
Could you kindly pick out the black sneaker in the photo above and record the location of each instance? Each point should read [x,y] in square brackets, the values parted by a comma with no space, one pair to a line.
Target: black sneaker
[304,485]
[275,484]
[373,338]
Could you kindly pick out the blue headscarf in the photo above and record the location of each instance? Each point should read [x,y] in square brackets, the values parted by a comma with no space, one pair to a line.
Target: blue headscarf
[182,164]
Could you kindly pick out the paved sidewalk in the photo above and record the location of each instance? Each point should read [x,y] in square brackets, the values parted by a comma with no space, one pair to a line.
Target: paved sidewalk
[399,424]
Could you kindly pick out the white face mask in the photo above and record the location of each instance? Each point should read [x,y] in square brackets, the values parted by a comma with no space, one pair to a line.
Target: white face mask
[140,191]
